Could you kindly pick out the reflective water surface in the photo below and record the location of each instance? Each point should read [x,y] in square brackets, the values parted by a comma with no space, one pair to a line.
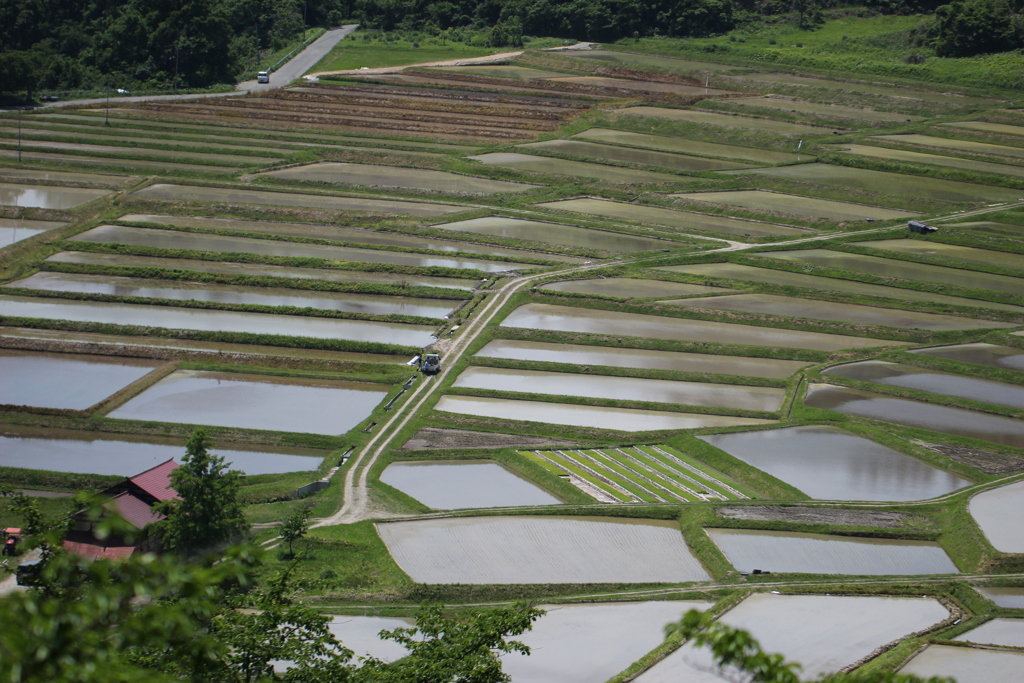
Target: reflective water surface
[954,251]
[464,484]
[966,665]
[1009,632]
[47,196]
[630,287]
[998,512]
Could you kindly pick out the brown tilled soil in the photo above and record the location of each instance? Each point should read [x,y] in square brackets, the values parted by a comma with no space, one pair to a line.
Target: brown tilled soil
[985,461]
[805,515]
[431,438]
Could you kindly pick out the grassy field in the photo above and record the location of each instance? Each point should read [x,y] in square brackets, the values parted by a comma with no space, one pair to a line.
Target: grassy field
[373,50]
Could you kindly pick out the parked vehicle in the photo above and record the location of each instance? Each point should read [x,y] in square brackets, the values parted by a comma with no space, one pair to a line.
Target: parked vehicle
[28,572]
[921,228]
[11,537]
[431,364]
[263,77]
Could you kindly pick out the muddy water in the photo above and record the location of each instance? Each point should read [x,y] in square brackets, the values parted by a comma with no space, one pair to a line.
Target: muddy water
[576,169]
[464,484]
[966,665]
[555,233]
[821,109]
[231,294]
[1009,632]
[949,143]
[60,450]
[931,159]
[725,120]
[761,200]
[955,421]
[333,232]
[998,512]
[830,464]
[1005,597]
[17,229]
[254,402]
[47,196]
[212,320]
[619,419]
[905,269]
[172,239]
[396,176]
[622,388]
[824,633]
[567,319]
[736,271]
[856,314]
[191,193]
[483,550]
[944,384]
[229,268]
[979,354]
[630,287]
[917,247]
[670,218]
[581,355]
[592,150]
[684,146]
[69,381]
[799,553]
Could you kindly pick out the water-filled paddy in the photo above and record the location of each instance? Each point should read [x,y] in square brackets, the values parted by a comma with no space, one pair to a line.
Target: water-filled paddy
[948,143]
[192,193]
[890,183]
[228,268]
[822,109]
[987,127]
[576,169]
[1009,632]
[464,484]
[592,321]
[47,196]
[129,164]
[598,417]
[931,159]
[965,664]
[526,550]
[60,450]
[916,414]
[685,146]
[64,176]
[857,314]
[800,553]
[632,288]
[1004,597]
[629,155]
[885,267]
[68,381]
[581,355]
[945,384]
[824,633]
[998,512]
[397,176]
[360,634]
[254,402]
[725,120]
[828,463]
[737,271]
[761,200]
[17,229]
[991,355]
[668,217]
[622,388]
[213,320]
[173,239]
[953,251]
[556,233]
[232,294]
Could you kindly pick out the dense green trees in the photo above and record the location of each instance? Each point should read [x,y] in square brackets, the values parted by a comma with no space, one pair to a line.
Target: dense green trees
[965,28]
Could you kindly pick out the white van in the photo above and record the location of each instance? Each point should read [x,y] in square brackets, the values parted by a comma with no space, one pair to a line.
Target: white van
[263,77]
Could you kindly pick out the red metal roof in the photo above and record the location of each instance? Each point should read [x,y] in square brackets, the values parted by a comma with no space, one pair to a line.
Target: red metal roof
[136,512]
[94,551]
[157,481]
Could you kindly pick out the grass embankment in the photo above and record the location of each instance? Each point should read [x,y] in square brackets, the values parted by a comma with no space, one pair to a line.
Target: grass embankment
[376,49]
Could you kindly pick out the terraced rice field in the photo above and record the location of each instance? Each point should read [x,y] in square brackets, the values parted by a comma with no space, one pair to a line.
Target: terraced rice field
[930,159]
[557,233]
[397,176]
[970,146]
[631,288]
[965,665]
[986,257]
[725,120]
[13,230]
[576,169]
[996,512]
[788,104]
[762,201]
[601,152]
[46,196]
[639,474]
[465,484]
[980,353]
[1006,632]
[686,146]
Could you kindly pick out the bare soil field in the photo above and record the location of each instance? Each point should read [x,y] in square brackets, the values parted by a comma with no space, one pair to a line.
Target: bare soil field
[804,515]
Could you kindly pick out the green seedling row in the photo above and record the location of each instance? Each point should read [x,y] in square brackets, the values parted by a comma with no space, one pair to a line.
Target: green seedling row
[663,480]
[543,462]
[703,468]
[571,466]
[687,485]
[622,476]
[699,478]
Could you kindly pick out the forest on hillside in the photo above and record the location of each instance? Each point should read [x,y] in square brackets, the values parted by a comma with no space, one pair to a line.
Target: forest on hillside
[73,44]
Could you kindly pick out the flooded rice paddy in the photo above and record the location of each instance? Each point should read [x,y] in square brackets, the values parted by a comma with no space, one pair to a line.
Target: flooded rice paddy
[47,196]
[670,218]
[949,143]
[762,200]
[822,109]
[998,512]
[214,320]
[941,419]
[857,314]
[988,127]
[397,176]
[800,553]
[598,417]
[14,230]
[886,267]
[232,294]
[254,402]
[725,120]
[576,169]
[631,288]
[593,150]
[60,450]
[172,239]
[966,665]
[361,635]
[66,177]
[556,233]
[464,484]
[824,633]
[953,251]
[584,356]
[592,321]
[828,463]
[930,159]
[66,381]
[992,355]
[191,193]
[1008,632]
[1012,598]
[529,550]
[944,384]
[622,388]
[685,146]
